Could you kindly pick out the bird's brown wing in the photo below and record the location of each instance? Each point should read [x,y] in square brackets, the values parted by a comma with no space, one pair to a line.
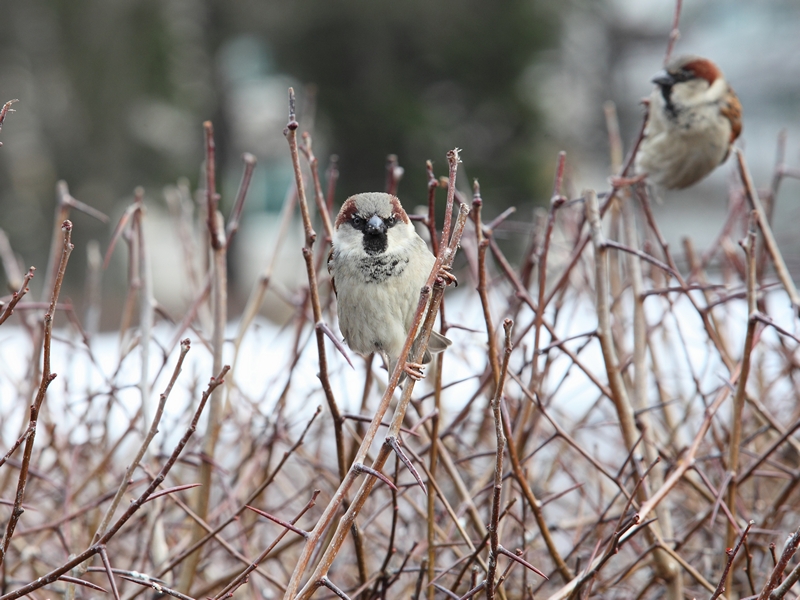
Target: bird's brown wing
[732,110]
[330,272]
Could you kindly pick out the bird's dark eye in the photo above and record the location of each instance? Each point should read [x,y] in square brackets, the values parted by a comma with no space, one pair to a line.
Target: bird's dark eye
[357,221]
[390,221]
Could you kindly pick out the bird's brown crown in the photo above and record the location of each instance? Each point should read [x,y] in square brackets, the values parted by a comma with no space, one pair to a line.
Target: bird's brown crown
[371,203]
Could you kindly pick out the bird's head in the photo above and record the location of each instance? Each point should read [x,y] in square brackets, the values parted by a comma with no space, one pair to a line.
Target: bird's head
[373,221]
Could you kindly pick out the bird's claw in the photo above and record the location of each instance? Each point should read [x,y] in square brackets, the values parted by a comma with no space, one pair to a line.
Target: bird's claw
[446,276]
[414,370]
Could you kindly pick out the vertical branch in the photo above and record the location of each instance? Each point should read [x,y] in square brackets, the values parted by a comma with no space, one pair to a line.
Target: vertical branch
[666,566]
[332,173]
[433,464]
[47,378]
[584,239]
[322,206]
[310,235]
[556,201]
[430,221]
[212,197]
[453,161]
[741,386]
[769,239]
[615,382]
[498,465]
[674,33]
[219,292]
[241,196]
[483,291]
[394,173]
[146,301]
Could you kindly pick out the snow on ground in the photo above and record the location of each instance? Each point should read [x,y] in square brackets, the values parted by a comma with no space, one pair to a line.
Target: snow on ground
[92,378]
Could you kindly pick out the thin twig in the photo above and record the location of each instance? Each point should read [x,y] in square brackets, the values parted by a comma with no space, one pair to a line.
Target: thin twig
[47,378]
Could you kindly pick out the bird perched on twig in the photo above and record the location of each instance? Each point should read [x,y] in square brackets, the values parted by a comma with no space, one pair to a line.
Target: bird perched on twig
[694,117]
[379,264]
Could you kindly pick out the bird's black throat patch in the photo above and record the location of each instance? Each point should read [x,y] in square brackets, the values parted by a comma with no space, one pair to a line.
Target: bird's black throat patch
[666,93]
[379,268]
[375,243]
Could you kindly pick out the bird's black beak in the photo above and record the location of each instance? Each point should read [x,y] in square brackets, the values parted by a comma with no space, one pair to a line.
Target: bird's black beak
[664,79]
[375,226]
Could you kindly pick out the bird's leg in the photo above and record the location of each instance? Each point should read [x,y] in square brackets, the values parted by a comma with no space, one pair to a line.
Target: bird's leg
[446,276]
[414,370]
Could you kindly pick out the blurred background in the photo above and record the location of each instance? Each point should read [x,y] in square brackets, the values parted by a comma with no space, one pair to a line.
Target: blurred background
[112,95]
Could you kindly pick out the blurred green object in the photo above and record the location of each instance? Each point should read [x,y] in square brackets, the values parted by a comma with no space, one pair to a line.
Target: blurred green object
[417,78]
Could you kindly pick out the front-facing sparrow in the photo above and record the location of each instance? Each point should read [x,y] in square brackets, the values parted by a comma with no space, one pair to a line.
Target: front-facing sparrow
[379,264]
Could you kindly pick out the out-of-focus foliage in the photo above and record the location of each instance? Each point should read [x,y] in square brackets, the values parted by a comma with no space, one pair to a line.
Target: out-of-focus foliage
[417,78]
[113,93]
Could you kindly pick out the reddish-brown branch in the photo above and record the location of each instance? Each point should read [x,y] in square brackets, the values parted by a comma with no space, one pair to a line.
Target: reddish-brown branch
[494,541]
[674,33]
[212,198]
[9,309]
[241,196]
[46,378]
[132,508]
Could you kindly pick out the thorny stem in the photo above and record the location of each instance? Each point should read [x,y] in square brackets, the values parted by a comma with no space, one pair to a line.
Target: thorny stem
[394,173]
[310,236]
[556,201]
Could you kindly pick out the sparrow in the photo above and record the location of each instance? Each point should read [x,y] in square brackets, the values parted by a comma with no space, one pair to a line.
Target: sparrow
[693,119]
[378,265]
